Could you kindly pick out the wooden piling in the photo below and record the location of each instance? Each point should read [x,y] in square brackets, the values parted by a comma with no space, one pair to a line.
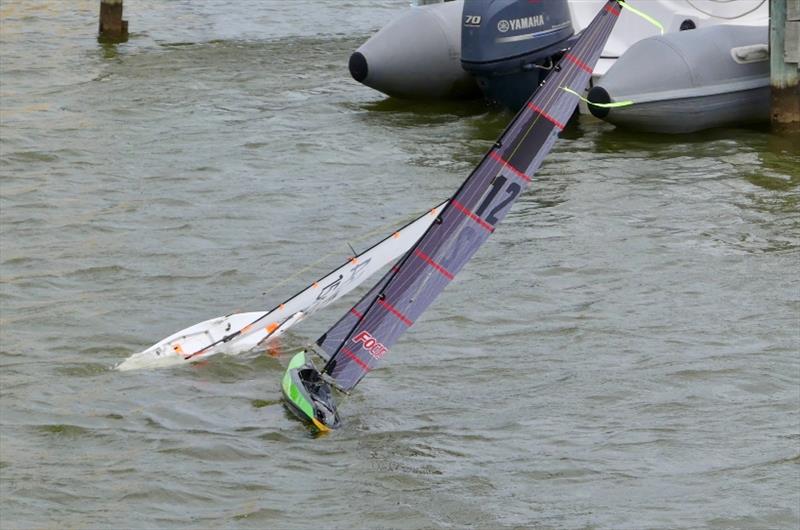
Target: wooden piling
[784,46]
[112,27]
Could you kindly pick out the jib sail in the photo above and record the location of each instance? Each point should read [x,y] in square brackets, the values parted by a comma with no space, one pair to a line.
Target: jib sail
[240,332]
[360,340]
[332,286]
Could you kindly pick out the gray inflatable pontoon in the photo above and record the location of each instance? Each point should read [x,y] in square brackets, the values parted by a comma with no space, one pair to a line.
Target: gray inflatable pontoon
[688,81]
[417,56]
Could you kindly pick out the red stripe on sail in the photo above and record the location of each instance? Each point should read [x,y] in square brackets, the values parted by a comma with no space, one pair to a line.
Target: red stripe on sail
[356,313]
[583,65]
[389,307]
[611,9]
[356,358]
[546,116]
[466,211]
[506,163]
[427,259]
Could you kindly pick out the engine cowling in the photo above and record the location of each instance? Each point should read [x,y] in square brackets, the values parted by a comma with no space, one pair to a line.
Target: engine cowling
[509,44]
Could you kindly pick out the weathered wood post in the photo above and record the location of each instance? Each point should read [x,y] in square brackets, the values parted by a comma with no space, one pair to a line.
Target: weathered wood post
[784,56]
[112,27]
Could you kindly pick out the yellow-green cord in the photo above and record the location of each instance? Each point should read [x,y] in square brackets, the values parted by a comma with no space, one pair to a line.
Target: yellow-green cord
[611,105]
[642,14]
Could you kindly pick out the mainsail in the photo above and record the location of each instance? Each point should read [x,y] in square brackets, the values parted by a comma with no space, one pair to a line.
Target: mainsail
[355,344]
[240,332]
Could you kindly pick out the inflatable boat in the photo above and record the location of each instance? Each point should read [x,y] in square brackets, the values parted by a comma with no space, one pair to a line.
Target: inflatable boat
[501,49]
[688,81]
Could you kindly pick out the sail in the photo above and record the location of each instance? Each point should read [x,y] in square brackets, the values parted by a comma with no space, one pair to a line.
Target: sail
[357,343]
[240,332]
[342,280]
[331,340]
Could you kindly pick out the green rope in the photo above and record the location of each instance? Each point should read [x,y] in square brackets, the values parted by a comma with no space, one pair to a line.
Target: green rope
[611,105]
[642,14]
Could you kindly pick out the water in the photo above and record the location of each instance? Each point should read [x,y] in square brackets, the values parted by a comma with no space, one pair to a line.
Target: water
[623,353]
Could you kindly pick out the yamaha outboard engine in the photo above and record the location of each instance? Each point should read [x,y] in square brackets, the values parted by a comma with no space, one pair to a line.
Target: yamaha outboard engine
[510,45]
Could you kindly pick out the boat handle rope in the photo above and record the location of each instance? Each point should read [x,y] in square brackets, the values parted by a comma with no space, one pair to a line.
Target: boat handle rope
[617,104]
[612,105]
[712,15]
[642,14]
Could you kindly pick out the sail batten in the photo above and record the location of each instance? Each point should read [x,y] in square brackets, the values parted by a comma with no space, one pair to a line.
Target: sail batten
[360,340]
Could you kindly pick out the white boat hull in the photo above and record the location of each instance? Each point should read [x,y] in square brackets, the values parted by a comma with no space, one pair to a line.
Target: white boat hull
[174,349]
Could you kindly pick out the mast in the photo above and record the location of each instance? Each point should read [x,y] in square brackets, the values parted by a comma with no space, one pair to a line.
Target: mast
[362,338]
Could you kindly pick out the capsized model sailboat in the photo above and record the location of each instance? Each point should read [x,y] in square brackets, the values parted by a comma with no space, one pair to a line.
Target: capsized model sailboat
[360,339]
[241,332]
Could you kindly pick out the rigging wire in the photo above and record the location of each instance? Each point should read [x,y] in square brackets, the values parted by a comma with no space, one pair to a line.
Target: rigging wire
[246,329]
[519,139]
[315,265]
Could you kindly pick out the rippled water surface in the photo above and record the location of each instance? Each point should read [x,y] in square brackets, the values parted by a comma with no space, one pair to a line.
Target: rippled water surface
[623,353]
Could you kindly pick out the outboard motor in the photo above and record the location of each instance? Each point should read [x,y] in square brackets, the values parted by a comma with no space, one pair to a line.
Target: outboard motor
[510,45]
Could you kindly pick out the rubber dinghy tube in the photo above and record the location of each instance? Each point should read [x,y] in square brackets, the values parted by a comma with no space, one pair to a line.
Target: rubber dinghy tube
[600,95]
[307,395]
[358,66]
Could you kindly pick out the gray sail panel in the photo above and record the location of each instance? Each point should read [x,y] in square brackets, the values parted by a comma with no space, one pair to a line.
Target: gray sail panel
[475,210]
[338,333]
[403,239]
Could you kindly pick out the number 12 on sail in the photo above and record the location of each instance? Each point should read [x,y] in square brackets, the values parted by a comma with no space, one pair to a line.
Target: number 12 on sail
[362,337]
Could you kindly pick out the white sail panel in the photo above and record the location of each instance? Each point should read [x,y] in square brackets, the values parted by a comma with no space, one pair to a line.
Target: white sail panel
[240,332]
